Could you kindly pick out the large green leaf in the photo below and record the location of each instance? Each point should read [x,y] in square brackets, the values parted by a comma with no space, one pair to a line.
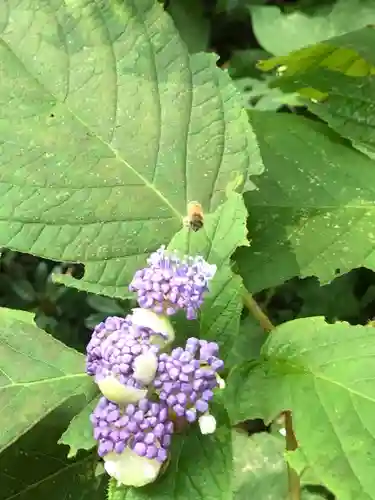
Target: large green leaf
[223,231]
[259,467]
[314,211]
[324,374]
[297,28]
[37,374]
[37,468]
[200,469]
[339,78]
[108,128]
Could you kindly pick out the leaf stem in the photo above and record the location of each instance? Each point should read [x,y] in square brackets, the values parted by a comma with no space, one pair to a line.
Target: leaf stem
[290,438]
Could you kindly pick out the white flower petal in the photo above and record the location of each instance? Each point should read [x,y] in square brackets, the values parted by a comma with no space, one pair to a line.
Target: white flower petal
[130,469]
[212,270]
[145,366]
[221,382]
[157,322]
[113,390]
[207,424]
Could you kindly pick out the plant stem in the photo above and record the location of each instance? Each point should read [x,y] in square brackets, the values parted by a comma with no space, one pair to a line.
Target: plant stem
[290,438]
[257,312]
[291,445]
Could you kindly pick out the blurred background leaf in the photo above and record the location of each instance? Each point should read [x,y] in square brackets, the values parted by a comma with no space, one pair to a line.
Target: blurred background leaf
[281,30]
[36,467]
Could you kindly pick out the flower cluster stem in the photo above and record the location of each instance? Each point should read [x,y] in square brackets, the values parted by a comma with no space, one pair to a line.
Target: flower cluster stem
[290,438]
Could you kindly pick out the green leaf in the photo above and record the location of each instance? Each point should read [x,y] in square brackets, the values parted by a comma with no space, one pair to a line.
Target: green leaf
[247,343]
[18,315]
[106,305]
[259,467]
[37,374]
[324,374]
[259,95]
[336,301]
[200,468]
[35,467]
[341,73]
[255,85]
[298,28]
[313,213]
[79,436]
[223,231]
[24,289]
[192,25]
[297,461]
[243,64]
[233,5]
[118,128]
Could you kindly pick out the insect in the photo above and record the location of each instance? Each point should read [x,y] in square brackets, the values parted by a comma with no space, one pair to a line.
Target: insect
[194,219]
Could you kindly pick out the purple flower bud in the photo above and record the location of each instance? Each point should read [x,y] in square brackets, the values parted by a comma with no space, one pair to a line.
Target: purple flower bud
[100,333]
[186,378]
[146,431]
[170,283]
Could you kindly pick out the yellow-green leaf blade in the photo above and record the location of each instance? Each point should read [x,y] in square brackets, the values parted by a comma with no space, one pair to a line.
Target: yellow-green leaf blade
[37,374]
[109,127]
[324,374]
[314,212]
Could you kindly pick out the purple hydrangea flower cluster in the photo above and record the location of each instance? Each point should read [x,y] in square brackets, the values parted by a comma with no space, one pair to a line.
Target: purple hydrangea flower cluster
[128,358]
[169,283]
[114,347]
[144,427]
[186,378]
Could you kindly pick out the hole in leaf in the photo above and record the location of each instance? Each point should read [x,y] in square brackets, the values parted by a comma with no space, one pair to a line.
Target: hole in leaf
[75,270]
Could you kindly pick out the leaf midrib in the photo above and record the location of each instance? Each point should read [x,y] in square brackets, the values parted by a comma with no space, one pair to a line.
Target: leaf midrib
[94,134]
[305,370]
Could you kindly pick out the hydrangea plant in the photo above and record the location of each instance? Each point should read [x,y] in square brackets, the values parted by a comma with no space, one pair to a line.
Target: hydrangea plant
[115,115]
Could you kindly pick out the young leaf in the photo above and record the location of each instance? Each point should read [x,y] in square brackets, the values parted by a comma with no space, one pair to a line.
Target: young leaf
[223,231]
[200,468]
[340,73]
[79,434]
[314,212]
[324,374]
[36,467]
[298,28]
[109,128]
[37,374]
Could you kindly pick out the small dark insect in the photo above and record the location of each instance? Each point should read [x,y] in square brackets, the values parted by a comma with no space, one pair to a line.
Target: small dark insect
[194,219]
